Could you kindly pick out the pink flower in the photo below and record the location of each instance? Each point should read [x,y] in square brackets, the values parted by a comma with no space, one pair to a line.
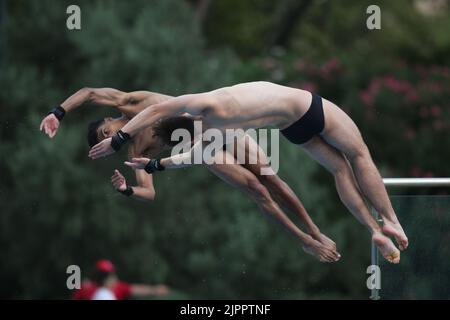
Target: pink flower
[435,87]
[445,71]
[397,85]
[309,86]
[300,64]
[367,98]
[431,87]
[429,174]
[438,125]
[331,65]
[325,75]
[269,63]
[441,70]
[436,111]
[329,68]
[410,134]
[411,96]
[375,86]
[416,171]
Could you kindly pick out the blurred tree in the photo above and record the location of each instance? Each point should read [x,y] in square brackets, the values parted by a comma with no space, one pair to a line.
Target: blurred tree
[201,236]
[52,216]
[392,82]
[290,13]
[3,17]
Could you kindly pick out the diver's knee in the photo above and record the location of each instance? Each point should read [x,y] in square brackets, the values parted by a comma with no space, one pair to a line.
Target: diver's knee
[256,189]
[340,168]
[360,152]
[270,179]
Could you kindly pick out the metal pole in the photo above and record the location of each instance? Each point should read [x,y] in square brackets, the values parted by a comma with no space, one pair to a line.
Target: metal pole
[375,293]
[402,182]
[417,182]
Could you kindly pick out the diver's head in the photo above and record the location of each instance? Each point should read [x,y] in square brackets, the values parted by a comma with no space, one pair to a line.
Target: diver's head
[104,128]
[105,274]
[164,129]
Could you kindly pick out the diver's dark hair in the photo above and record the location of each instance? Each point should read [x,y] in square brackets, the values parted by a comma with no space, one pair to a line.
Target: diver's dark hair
[163,129]
[92,135]
[100,277]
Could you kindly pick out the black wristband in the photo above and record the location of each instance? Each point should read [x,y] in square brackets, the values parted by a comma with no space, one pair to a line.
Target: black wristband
[59,112]
[127,192]
[119,139]
[154,165]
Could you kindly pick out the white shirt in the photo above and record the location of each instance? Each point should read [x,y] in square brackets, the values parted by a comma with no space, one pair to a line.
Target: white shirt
[103,294]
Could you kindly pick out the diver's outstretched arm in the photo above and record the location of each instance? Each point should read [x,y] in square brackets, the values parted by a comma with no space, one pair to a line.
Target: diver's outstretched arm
[193,104]
[177,161]
[103,97]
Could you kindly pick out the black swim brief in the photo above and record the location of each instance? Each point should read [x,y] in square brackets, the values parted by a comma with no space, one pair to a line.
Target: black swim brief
[310,124]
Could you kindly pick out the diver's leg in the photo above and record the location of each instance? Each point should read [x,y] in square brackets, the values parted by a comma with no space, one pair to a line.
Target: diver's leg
[343,134]
[333,160]
[241,178]
[280,190]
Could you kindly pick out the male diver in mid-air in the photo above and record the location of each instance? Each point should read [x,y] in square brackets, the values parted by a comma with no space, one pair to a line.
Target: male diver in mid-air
[317,125]
[268,191]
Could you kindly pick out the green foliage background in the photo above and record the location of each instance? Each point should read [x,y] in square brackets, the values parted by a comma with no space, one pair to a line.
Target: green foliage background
[200,236]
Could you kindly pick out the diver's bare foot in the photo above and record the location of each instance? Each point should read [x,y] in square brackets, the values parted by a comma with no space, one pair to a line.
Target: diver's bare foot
[323,239]
[395,230]
[386,247]
[321,252]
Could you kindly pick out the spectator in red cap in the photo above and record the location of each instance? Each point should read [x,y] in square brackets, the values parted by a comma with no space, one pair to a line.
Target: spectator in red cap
[105,285]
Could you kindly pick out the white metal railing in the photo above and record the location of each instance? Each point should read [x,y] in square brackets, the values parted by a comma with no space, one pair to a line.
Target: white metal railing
[407,183]
[417,182]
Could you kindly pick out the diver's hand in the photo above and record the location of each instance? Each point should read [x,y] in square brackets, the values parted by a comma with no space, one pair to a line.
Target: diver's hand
[161,290]
[101,149]
[137,163]
[50,125]
[118,181]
